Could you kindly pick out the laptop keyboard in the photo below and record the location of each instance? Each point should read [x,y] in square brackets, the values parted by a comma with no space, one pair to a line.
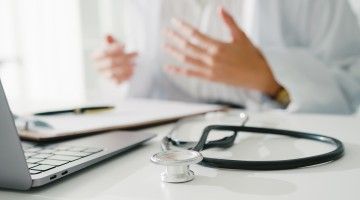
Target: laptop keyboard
[40,159]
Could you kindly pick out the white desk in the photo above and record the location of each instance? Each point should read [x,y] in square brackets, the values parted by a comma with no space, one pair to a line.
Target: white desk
[132,176]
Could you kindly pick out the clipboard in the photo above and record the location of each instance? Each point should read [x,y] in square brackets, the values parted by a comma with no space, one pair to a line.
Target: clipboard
[128,114]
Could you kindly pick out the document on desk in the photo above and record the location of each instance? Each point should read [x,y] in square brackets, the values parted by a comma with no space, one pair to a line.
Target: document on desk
[129,113]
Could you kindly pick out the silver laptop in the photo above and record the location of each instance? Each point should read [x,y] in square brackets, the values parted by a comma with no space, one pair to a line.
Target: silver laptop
[24,165]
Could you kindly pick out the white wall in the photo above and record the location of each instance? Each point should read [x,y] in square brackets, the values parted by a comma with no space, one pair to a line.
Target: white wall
[46,37]
[51,51]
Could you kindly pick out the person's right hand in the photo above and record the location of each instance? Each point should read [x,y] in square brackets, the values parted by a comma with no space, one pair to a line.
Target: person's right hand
[113,60]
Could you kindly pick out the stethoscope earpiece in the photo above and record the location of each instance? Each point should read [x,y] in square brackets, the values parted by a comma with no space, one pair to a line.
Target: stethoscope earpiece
[177,164]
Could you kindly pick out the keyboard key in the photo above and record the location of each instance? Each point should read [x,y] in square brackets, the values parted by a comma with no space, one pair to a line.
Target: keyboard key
[30,165]
[62,148]
[92,150]
[47,151]
[72,153]
[63,157]
[33,149]
[42,167]
[34,172]
[33,160]
[41,156]
[53,162]
[77,149]
[26,145]
[29,154]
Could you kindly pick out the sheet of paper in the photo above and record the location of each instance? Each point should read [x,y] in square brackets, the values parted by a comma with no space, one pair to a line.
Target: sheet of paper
[127,114]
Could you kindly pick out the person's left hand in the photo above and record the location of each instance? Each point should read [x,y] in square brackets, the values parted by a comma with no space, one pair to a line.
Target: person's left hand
[237,63]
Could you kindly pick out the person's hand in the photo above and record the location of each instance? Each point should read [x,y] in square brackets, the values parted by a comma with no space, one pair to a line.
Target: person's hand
[237,63]
[114,61]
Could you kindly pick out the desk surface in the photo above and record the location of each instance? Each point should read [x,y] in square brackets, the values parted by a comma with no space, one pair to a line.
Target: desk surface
[132,176]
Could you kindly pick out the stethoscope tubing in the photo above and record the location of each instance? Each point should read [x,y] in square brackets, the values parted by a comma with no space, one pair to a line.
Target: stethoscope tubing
[333,155]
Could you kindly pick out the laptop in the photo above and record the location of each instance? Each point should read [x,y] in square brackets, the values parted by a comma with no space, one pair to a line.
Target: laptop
[27,164]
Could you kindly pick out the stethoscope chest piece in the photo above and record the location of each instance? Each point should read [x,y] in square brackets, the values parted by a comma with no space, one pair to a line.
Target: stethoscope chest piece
[177,164]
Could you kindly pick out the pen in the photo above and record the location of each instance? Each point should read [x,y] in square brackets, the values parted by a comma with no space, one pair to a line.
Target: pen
[81,110]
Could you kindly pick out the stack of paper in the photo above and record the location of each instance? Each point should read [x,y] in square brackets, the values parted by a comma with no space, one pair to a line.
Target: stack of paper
[130,113]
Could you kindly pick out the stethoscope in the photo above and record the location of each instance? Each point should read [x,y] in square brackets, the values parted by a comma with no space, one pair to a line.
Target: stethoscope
[177,155]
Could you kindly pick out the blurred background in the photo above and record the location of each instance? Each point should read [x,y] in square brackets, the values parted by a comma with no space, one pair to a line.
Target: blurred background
[46,47]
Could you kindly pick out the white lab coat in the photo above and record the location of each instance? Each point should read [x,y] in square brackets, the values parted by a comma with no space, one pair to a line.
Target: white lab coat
[313,48]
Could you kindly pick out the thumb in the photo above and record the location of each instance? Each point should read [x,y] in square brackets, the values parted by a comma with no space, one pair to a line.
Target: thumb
[236,32]
[110,39]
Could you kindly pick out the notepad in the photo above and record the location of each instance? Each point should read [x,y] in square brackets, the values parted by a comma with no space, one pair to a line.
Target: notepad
[129,113]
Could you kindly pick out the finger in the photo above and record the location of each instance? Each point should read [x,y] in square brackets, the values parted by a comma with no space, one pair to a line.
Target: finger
[183,43]
[121,76]
[111,50]
[129,57]
[113,69]
[114,62]
[229,21]
[114,49]
[111,42]
[192,33]
[117,69]
[123,71]
[110,39]
[186,71]
[116,72]
[112,46]
[182,57]
[109,63]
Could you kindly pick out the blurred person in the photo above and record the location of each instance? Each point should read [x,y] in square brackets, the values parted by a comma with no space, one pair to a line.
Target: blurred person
[300,55]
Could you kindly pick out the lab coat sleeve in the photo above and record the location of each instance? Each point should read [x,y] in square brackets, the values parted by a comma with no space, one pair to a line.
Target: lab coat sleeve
[323,75]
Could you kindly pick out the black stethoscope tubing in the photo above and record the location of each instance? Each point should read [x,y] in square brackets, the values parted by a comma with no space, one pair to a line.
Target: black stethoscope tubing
[333,155]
